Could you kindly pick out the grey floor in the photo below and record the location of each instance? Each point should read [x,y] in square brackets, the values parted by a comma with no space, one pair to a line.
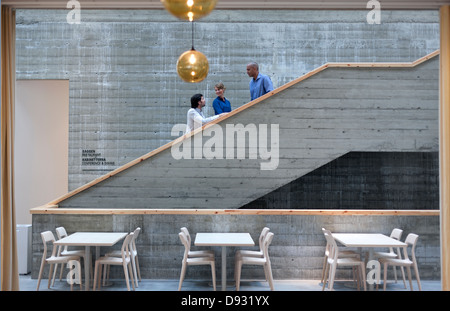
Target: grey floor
[29,284]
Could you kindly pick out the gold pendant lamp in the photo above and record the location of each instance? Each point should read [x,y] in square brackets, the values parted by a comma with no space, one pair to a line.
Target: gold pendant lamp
[189,9]
[192,65]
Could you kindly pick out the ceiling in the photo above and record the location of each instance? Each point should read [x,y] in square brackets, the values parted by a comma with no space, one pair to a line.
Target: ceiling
[233,4]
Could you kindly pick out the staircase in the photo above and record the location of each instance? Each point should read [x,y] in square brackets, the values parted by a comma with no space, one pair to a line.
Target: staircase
[335,109]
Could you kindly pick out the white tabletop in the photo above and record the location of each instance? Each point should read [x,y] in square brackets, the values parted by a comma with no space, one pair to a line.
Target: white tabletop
[92,239]
[367,240]
[223,239]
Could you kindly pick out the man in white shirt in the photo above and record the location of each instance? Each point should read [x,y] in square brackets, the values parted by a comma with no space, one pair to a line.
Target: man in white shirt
[195,117]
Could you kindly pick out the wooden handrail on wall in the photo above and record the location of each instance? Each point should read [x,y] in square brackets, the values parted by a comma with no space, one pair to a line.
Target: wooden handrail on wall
[52,207]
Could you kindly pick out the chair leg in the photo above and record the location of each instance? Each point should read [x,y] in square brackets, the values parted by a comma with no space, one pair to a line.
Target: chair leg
[183,272]
[238,274]
[137,268]
[403,275]
[41,270]
[130,269]
[125,271]
[134,272]
[327,268]
[385,276]
[50,275]
[213,272]
[332,276]
[269,276]
[54,273]
[324,267]
[408,270]
[416,271]
[363,276]
[96,274]
[106,270]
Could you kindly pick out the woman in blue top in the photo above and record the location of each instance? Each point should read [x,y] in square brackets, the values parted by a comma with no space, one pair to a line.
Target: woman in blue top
[221,104]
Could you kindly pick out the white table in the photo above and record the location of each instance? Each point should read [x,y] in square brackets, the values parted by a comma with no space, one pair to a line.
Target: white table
[224,240]
[88,239]
[367,240]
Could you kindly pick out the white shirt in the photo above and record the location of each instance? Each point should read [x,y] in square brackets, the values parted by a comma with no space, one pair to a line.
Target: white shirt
[196,119]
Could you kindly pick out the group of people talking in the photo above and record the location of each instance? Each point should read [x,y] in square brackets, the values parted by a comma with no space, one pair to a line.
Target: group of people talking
[260,84]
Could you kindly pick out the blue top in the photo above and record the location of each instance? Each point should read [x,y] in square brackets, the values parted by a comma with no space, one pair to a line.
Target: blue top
[221,105]
[260,86]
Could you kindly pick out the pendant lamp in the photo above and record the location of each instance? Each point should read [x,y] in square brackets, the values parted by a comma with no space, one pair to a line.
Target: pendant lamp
[189,9]
[192,65]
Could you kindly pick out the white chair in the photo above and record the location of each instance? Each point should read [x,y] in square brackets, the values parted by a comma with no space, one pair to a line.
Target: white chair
[411,240]
[335,261]
[193,254]
[134,257]
[124,261]
[264,261]
[191,261]
[251,253]
[63,251]
[342,254]
[49,238]
[395,234]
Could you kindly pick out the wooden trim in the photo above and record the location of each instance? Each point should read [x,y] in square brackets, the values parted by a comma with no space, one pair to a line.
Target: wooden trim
[444,146]
[240,109]
[232,4]
[54,210]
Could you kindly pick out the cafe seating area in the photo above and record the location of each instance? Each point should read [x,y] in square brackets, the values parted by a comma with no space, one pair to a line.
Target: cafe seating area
[341,250]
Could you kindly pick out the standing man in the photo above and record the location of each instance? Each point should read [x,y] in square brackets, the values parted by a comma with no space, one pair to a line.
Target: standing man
[260,84]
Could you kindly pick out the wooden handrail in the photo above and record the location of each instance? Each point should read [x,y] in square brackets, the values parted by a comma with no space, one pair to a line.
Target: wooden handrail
[236,111]
[53,209]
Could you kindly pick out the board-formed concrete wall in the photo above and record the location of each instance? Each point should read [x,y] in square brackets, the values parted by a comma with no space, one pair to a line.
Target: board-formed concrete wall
[336,111]
[125,95]
[296,251]
[363,180]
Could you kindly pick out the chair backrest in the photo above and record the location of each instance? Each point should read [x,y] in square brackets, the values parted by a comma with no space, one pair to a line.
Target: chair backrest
[266,243]
[48,237]
[411,240]
[262,236]
[328,246]
[133,241]
[187,245]
[396,233]
[126,246]
[61,233]
[186,232]
[333,251]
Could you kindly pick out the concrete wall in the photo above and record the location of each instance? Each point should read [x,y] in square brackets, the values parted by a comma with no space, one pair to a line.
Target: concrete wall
[296,251]
[334,112]
[125,95]
[363,180]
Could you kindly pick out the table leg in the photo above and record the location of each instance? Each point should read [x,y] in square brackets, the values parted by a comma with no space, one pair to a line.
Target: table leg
[224,268]
[87,267]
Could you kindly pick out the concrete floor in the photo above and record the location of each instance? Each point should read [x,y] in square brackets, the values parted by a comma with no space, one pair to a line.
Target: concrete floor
[29,284]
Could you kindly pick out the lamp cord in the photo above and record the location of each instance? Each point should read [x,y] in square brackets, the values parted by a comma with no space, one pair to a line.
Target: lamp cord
[192,35]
